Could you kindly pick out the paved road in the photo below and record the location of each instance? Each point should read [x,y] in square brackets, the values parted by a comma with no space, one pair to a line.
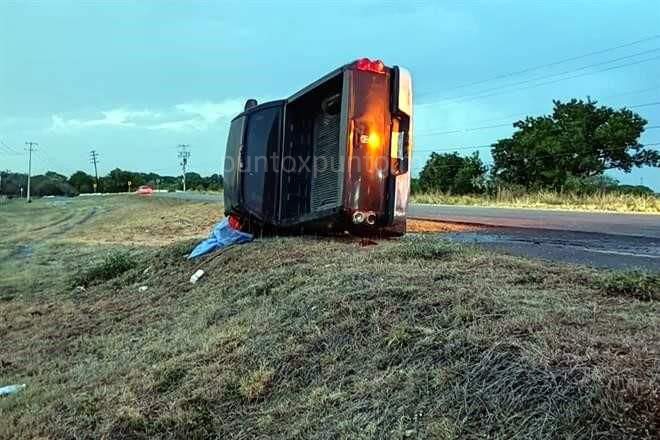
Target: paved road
[596,239]
[629,241]
[587,248]
[643,225]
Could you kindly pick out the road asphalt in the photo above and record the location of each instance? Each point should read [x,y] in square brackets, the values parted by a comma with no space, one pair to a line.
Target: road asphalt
[609,240]
[641,225]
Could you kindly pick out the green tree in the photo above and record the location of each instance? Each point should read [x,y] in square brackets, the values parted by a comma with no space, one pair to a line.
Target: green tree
[194,181]
[12,183]
[578,139]
[51,184]
[213,182]
[55,176]
[82,182]
[117,180]
[452,173]
[415,187]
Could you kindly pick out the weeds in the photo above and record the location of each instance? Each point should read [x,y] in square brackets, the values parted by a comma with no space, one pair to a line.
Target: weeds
[304,338]
[256,384]
[168,378]
[638,285]
[608,201]
[416,248]
[113,265]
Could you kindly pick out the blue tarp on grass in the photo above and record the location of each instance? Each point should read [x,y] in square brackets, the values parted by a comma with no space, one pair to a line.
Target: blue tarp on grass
[223,235]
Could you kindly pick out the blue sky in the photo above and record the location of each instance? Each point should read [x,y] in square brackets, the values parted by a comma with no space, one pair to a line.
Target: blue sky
[134,79]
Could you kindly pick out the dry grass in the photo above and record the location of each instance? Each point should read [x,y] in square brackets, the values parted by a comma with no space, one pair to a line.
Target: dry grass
[149,221]
[323,338]
[612,202]
[42,240]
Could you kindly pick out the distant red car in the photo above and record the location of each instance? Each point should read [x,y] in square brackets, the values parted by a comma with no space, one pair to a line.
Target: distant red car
[144,190]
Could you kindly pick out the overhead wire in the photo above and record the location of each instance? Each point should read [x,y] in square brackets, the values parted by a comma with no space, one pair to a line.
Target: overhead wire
[531,86]
[540,78]
[537,155]
[555,63]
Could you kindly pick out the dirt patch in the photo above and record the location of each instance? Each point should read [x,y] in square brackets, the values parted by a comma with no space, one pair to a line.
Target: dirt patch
[70,226]
[57,222]
[157,223]
[431,226]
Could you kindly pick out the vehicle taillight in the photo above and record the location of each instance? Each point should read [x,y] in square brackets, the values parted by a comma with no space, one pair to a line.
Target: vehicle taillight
[368,65]
[372,140]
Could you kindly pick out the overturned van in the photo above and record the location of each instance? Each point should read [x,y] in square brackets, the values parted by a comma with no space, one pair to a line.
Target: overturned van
[334,156]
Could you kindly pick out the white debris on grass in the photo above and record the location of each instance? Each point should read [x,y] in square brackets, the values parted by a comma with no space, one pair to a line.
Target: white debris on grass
[196,276]
[10,390]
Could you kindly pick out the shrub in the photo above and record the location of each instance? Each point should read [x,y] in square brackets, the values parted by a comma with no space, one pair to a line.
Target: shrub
[113,265]
[590,185]
[639,285]
[453,174]
[635,190]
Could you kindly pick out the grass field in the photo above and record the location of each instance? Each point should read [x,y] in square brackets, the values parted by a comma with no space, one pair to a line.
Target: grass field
[310,337]
[612,202]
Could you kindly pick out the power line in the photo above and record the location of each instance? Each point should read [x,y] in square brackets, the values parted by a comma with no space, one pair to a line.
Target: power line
[435,150]
[50,161]
[465,130]
[516,115]
[475,97]
[8,149]
[633,92]
[479,147]
[554,63]
[586,74]
[537,155]
[48,164]
[553,75]
[648,104]
[510,124]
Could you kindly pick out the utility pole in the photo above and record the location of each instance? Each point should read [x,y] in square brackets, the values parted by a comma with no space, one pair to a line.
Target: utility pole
[31,146]
[6,174]
[94,158]
[184,155]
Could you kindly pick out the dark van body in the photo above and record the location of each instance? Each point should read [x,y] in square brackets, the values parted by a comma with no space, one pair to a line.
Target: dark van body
[334,156]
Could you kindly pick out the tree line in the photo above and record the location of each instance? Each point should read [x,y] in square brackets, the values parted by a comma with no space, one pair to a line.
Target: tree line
[117,180]
[568,150]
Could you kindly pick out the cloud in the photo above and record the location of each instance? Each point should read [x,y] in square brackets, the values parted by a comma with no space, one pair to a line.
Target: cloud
[179,125]
[111,118]
[199,115]
[213,111]
[189,116]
